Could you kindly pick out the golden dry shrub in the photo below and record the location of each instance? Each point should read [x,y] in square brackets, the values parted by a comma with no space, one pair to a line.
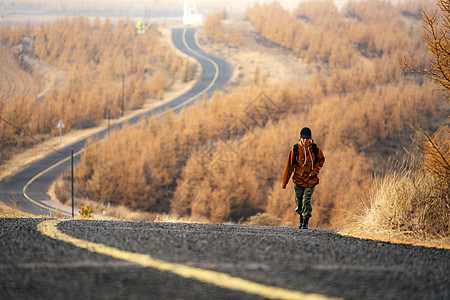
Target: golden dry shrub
[263,219]
[405,203]
[86,212]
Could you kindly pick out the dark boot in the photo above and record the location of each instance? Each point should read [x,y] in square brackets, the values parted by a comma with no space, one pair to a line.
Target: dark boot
[300,223]
[305,223]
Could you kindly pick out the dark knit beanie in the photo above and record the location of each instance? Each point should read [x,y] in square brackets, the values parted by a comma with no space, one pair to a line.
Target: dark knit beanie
[305,133]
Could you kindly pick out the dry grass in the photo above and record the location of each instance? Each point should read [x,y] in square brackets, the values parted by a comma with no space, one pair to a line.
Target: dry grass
[13,211]
[412,205]
[121,212]
[405,206]
[60,192]
[102,211]
[263,219]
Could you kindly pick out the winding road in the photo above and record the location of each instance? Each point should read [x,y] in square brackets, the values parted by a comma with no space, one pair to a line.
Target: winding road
[98,259]
[28,188]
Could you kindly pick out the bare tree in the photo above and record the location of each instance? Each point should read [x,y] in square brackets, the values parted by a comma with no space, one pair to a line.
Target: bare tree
[435,149]
[437,37]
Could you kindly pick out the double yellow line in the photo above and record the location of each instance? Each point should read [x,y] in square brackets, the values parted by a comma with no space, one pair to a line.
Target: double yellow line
[216,75]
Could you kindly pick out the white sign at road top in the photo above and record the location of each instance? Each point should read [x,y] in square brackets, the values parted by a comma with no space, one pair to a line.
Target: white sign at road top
[60,126]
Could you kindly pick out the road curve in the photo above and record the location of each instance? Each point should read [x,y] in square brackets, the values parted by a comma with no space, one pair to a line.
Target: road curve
[28,188]
[94,259]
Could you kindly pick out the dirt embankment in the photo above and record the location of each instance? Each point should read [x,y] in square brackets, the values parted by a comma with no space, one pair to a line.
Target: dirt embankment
[14,81]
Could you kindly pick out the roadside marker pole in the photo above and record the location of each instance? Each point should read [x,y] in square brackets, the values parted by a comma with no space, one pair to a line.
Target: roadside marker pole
[60,126]
[72,188]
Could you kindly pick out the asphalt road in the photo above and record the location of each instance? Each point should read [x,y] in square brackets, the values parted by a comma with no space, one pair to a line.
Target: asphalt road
[31,195]
[35,266]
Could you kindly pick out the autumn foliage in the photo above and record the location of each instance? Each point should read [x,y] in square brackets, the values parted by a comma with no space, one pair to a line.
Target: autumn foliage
[317,31]
[214,29]
[223,158]
[106,69]
[226,162]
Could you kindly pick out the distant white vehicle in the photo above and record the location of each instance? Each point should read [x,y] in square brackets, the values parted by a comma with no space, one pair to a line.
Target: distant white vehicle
[190,14]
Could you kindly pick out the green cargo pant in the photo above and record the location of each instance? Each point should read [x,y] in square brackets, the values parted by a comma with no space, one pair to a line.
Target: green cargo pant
[303,200]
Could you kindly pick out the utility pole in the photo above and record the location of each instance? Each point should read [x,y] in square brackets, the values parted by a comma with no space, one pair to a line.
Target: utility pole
[73,213]
[109,120]
[123,94]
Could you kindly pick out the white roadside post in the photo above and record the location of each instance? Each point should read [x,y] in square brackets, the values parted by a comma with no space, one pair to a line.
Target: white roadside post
[60,126]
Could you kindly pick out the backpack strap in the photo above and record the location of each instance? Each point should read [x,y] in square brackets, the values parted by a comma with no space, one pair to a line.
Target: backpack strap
[295,154]
[315,150]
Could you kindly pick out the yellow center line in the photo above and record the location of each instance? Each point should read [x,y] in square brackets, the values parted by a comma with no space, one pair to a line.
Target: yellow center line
[223,280]
[216,75]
